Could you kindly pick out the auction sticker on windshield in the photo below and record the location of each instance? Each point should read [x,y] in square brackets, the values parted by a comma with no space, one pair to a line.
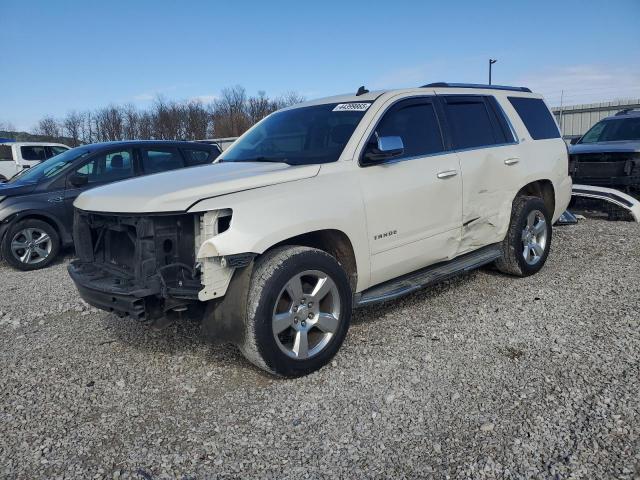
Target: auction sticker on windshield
[351,107]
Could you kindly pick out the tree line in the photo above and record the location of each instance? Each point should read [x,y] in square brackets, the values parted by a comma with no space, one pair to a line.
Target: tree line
[230,115]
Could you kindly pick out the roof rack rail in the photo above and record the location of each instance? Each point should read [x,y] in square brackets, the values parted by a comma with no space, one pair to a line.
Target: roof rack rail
[475,85]
[627,110]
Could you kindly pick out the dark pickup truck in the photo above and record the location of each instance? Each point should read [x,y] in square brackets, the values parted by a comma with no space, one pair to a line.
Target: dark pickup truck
[608,155]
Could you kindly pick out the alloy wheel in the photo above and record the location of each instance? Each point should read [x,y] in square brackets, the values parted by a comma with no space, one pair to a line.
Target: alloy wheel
[31,246]
[534,237]
[306,315]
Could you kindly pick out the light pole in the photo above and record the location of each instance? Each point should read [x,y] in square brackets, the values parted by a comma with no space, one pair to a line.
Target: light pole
[491,62]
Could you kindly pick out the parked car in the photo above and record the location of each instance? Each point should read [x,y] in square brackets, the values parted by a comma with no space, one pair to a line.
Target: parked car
[16,156]
[36,207]
[339,202]
[608,155]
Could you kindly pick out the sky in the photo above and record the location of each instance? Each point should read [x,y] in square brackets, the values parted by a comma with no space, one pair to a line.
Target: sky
[60,56]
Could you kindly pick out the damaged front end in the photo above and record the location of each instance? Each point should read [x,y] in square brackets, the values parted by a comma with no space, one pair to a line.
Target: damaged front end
[147,266]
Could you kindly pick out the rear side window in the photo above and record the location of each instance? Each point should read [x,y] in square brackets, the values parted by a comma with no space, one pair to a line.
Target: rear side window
[161,159]
[108,167]
[6,153]
[473,122]
[415,121]
[536,117]
[33,153]
[194,156]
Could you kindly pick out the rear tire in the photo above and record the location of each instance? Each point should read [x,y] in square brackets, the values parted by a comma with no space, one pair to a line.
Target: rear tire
[298,311]
[30,244]
[526,246]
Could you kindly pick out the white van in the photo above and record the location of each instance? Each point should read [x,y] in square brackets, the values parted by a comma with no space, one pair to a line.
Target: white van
[16,156]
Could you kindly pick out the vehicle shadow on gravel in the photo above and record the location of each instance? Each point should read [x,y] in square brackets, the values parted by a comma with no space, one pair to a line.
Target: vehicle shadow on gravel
[182,337]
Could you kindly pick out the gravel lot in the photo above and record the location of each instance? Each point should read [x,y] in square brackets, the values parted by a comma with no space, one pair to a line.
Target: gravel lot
[481,377]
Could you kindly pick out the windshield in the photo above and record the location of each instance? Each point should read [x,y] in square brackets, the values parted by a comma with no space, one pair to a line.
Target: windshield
[300,136]
[49,168]
[613,130]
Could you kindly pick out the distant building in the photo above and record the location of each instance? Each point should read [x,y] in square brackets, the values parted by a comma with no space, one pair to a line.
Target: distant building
[575,120]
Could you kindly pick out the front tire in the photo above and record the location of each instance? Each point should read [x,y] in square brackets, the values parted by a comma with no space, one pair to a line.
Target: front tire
[526,246]
[298,311]
[30,244]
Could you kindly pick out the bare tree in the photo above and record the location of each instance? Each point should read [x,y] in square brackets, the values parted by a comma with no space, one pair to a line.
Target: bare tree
[131,121]
[49,127]
[145,126]
[230,117]
[168,119]
[259,107]
[72,125]
[196,122]
[290,98]
[87,132]
[111,122]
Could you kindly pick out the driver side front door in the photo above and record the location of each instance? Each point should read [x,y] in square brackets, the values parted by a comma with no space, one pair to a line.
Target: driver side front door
[414,201]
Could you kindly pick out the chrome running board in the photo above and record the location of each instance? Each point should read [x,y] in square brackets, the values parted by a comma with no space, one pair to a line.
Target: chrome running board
[439,272]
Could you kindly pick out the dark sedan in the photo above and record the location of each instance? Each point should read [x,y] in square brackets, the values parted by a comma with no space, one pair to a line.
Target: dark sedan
[36,206]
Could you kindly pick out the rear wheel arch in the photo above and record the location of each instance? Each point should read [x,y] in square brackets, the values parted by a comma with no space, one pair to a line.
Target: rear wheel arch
[542,189]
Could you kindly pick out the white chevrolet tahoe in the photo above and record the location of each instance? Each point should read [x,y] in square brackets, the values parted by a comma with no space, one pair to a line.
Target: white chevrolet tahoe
[325,206]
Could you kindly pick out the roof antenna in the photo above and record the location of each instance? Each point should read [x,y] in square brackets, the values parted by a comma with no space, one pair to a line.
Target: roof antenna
[361,91]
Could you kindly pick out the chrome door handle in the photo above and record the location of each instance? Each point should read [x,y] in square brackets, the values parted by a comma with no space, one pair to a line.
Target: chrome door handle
[511,161]
[447,174]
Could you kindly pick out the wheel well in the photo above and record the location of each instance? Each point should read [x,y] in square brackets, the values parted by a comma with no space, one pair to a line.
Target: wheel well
[335,243]
[45,219]
[542,189]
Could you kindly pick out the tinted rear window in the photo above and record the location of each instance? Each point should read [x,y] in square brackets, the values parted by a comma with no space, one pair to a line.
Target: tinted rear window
[33,153]
[194,156]
[470,121]
[161,159]
[536,117]
[6,153]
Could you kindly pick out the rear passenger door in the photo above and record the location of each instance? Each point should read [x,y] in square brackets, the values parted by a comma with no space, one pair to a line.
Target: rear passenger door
[156,159]
[484,142]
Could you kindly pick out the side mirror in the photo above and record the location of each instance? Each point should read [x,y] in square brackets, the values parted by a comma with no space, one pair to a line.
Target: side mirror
[385,149]
[573,141]
[78,180]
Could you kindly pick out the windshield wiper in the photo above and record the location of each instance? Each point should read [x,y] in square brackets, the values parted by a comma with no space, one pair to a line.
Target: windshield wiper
[264,159]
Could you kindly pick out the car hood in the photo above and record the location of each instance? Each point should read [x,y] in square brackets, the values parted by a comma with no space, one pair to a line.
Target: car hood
[13,189]
[603,147]
[178,190]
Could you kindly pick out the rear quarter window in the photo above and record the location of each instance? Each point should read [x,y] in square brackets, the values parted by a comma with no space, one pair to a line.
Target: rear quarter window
[196,156]
[536,117]
[6,154]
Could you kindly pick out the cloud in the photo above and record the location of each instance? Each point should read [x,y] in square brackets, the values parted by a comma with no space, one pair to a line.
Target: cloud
[144,97]
[584,84]
[203,98]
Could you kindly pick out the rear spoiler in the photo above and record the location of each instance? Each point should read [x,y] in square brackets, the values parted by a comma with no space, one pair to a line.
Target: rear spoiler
[609,195]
